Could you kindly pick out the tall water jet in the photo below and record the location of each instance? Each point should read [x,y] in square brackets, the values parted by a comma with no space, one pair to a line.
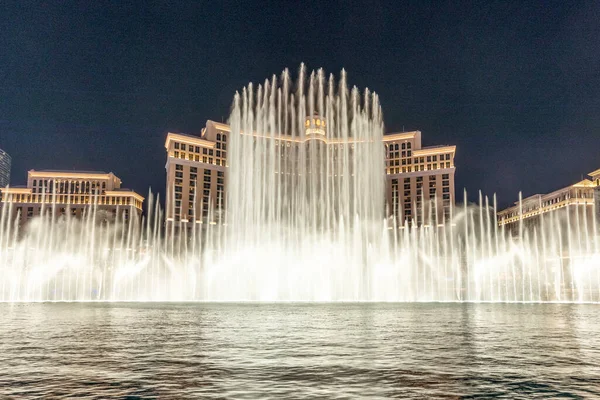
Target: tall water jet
[305,186]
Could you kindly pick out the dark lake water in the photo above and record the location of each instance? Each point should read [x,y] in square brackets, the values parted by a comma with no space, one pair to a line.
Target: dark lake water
[200,350]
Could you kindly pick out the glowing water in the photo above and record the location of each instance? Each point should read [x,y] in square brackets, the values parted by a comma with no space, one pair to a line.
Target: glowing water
[305,221]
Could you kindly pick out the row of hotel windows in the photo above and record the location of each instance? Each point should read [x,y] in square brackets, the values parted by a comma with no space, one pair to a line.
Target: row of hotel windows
[204,159]
[420,160]
[417,168]
[75,199]
[60,186]
[531,206]
[33,211]
[200,150]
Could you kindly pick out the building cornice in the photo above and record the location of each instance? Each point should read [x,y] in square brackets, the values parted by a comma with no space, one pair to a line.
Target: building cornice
[388,137]
[434,150]
[188,140]
[71,174]
[595,173]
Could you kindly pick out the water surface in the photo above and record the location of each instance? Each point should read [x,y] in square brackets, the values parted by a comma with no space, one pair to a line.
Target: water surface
[193,350]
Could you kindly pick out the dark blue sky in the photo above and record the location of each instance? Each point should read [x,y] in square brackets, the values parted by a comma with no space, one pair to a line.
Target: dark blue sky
[96,85]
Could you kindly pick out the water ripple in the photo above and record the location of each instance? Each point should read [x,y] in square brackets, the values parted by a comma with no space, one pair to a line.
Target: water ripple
[168,351]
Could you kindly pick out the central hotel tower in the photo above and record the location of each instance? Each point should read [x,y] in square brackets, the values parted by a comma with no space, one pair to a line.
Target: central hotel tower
[419,180]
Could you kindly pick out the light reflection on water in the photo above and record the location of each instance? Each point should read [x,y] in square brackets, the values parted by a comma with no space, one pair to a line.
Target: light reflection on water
[98,350]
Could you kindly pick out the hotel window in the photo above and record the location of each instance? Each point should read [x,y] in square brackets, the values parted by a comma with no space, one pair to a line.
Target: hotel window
[224,146]
[396,147]
[210,152]
[182,146]
[446,196]
[204,150]
[207,186]
[224,137]
[207,178]
[407,193]
[218,136]
[197,149]
[446,190]
[218,153]
[448,165]
[220,173]
[434,158]
[408,145]
[406,180]
[178,174]
[403,146]
[176,145]
[178,189]
[428,158]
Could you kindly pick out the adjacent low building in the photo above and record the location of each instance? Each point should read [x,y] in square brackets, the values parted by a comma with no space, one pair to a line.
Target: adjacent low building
[416,177]
[579,199]
[71,192]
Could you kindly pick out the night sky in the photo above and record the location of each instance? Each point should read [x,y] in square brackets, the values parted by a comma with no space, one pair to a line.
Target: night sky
[96,85]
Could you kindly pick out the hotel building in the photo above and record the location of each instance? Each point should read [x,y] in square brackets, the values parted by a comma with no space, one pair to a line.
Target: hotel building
[419,180]
[580,199]
[5,162]
[416,176]
[71,192]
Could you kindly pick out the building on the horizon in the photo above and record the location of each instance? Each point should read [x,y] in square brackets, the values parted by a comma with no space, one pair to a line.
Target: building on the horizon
[579,200]
[71,192]
[416,176]
[5,163]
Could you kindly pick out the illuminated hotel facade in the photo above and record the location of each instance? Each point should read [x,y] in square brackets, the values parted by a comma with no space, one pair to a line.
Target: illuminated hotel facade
[5,162]
[579,200]
[71,192]
[419,180]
